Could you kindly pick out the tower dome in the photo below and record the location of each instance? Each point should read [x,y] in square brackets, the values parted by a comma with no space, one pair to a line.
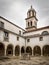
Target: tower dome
[31,12]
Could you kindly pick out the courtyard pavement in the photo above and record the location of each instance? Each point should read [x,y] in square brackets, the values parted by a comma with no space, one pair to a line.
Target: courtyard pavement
[31,61]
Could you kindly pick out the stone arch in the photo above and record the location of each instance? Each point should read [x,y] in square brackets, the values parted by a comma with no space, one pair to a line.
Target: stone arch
[9,50]
[44,33]
[2,49]
[45,50]
[37,51]
[22,49]
[29,50]
[17,50]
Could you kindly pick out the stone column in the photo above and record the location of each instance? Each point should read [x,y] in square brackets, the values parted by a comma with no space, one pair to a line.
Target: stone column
[5,50]
[20,52]
[41,52]
[13,51]
[32,53]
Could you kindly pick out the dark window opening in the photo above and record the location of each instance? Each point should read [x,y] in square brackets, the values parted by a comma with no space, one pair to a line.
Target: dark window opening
[19,32]
[28,23]
[1,24]
[17,38]
[31,23]
[32,13]
[41,38]
[6,35]
[28,40]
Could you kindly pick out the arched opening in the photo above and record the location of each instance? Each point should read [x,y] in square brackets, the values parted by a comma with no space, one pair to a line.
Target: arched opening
[31,23]
[2,49]
[9,50]
[45,33]
[17,50]
[22,50]
[29,50]
[29,13]
[28,23]
[37,51]
[46,50]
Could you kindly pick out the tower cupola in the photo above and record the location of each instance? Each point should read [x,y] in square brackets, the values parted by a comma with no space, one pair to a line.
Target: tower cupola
[31,12]
[31,20]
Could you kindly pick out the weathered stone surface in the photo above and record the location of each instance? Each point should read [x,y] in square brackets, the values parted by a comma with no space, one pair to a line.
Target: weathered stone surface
[33,61]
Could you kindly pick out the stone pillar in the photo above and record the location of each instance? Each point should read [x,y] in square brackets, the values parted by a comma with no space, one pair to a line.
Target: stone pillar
[32,53]
[5,50]
[13,51]
[20,52]
[41,52]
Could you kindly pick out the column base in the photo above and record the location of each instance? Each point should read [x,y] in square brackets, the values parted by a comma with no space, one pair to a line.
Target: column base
[13,55]
[41,55]
[20,55]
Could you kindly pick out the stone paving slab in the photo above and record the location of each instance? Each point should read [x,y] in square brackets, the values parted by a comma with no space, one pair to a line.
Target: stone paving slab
[33,61]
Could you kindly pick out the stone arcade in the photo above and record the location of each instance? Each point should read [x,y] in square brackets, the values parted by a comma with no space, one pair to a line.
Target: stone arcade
[14,41]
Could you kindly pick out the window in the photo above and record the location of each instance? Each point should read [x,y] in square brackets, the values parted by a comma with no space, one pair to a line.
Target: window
[28,40]
[1,24]
[29,13]
[6,35]
[41,38]
[17,38]
[45,33]
[19,32]
[31,23]
[28,23]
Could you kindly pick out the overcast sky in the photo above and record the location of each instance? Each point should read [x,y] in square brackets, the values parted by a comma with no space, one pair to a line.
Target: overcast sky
[16,11]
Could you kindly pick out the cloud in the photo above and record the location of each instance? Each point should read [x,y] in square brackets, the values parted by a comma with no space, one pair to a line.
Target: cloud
[4,6]
[16,10]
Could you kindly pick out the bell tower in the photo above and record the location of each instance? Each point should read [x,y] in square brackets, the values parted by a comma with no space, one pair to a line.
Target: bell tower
[31,20]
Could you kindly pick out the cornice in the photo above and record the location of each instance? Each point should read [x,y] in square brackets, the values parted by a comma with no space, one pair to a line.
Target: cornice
[37,35]
[25,37]
[12,23]
[11,32]
[31,17]
[38,29]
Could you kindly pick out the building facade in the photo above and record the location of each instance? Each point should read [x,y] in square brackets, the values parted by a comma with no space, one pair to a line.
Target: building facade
[15,41]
